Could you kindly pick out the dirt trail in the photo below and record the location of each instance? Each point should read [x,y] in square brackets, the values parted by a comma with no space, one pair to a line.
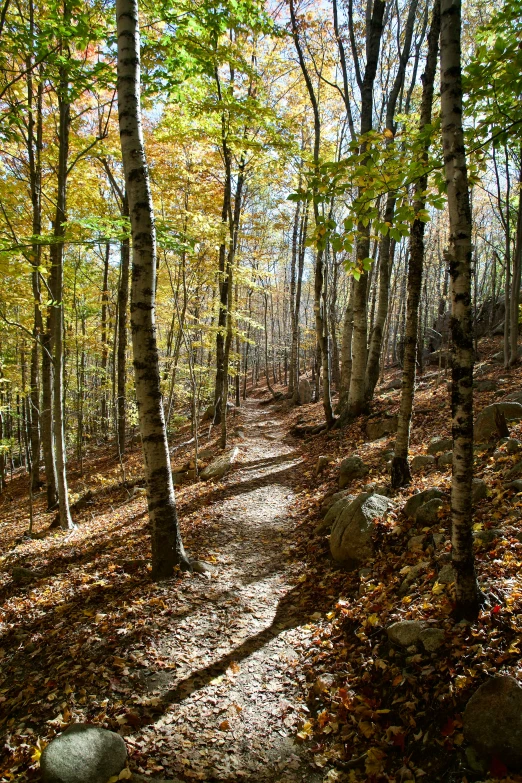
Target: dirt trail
[231,705]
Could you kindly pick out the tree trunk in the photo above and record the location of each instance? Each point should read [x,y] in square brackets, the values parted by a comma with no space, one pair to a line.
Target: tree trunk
[223,297]
[34,145]
[321,316]
[400,472]
[167,547]
[294,317]
[346,351]
[297,307]
[387,245]
[515,288]
[57,309]
[467,591]
[105,344]
[356,396]
[123,300]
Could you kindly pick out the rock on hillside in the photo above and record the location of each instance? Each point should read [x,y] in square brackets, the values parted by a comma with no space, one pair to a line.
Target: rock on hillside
[493,720]
[351,538]
[486,423]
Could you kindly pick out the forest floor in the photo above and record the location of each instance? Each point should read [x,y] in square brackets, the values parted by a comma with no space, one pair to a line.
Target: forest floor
[277,667]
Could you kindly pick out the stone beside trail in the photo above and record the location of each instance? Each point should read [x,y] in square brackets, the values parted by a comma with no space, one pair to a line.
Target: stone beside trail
[351,538]
[83,754]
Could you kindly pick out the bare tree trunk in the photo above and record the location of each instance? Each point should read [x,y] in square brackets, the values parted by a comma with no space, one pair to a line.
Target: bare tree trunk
[515,288]
[400,471]
[467,591]
[387,245]
[123,300]
[357,403]
[223,297]
[57,309]
[297,308]
[167,547]
[336,372]
[34,145]
[321,317]
[346,351]
[105,344]
[294,316]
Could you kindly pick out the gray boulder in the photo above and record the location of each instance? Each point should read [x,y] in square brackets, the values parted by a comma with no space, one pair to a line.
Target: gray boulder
[432,639]
[331,499]
[513,446]
[408,632]
[438,445]
[492,720]
[515,396]
[413,503]
[83,754]
[378,489]
[351,538]
[421,461]
[351,468]
[334,511]
[416,543]
[405,632]
[378,428]
[428,514]
[515,471]
[479,490]
[221,465]
[486,537]
[446,575]
[485,385]
[305,391]
[445,459]
[486,428]
[515,485]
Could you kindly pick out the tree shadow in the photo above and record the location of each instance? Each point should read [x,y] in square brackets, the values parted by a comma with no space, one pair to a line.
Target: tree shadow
[292,611]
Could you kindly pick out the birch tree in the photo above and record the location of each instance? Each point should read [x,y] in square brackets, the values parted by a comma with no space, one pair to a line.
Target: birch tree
[167,547]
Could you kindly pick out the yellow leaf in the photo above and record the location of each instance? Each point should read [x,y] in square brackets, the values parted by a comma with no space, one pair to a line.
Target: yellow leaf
[437,588]
[388,134]
[374,761]
[125,774]
[366,728]
[306,731]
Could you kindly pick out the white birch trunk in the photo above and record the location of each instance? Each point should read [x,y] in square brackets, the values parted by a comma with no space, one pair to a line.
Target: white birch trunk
[167,548]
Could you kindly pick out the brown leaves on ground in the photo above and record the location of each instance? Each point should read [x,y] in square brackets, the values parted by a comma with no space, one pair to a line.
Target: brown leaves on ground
[90,638]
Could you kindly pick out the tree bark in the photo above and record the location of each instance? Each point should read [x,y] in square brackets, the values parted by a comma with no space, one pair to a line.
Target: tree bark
[57,308]
[167,547]
[105,343]
[123,302]
[515,288]
[400,471]
[357,402]
[387,245]
[467,592]
[34,146]
[321,317]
